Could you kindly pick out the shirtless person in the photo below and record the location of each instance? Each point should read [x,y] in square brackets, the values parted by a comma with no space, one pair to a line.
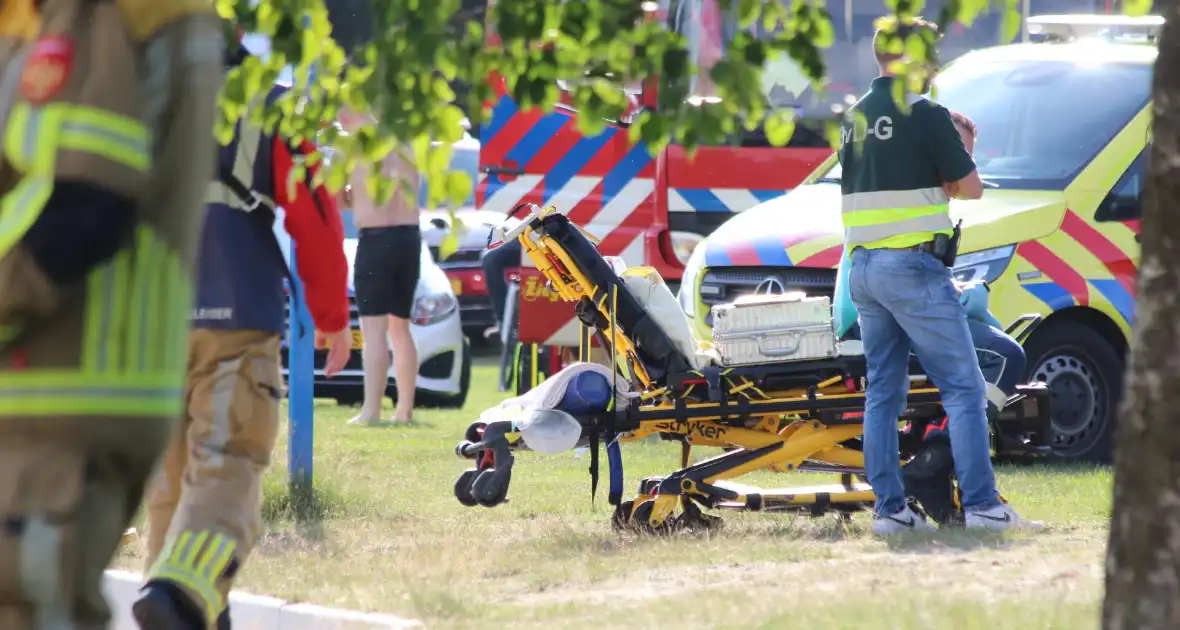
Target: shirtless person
[388,262]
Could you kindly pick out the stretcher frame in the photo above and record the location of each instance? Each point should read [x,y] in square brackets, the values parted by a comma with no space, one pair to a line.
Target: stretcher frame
[791,417]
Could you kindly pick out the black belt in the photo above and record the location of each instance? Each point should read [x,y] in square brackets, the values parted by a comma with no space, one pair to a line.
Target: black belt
[927,247]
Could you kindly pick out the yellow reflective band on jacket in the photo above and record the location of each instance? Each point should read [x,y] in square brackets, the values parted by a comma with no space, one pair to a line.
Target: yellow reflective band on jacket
[32,138]
[35,393]
[895,218]
[129,293]
[135,323]
[195,561]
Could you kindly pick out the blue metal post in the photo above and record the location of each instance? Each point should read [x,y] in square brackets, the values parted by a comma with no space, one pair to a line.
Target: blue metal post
[300,379]
[300,386]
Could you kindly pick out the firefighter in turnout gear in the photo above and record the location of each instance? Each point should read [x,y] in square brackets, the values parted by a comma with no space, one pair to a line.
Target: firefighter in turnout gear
[204,508]
[105,112]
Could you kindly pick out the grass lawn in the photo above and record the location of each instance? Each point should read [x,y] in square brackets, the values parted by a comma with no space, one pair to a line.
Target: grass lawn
[392,538]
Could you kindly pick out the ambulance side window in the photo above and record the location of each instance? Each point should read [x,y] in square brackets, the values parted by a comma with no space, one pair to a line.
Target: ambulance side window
[1124,202]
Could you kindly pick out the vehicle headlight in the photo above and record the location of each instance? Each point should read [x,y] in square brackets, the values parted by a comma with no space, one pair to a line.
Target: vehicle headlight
[684,244]
[433,308]
[688,282]
[985,265]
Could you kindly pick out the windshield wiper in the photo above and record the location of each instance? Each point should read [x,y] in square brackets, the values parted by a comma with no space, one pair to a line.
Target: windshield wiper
[988,183]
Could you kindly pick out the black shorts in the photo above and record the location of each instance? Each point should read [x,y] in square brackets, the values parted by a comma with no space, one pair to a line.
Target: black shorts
[385,274]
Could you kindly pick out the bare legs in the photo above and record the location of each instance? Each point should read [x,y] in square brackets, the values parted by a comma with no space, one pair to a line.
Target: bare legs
[376,361]
[405,359]
[375,358]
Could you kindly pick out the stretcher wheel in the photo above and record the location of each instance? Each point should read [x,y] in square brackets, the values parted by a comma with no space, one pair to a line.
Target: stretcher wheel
[475,431]
[491,489]
[619,520]
[641,519]
[463,487]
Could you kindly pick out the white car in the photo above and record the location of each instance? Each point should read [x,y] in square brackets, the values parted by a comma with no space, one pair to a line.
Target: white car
[444,354]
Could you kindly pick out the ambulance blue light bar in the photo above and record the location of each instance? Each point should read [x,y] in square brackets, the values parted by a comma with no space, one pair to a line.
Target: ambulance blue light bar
[1066,28]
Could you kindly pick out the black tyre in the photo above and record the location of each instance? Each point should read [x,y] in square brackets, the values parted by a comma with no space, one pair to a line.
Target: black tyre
[1084,374]
[475,431]
[621,518]
[489,479]
[463,487]
[350,398]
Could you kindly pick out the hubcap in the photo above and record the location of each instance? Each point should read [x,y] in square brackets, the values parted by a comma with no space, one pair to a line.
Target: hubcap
[1078,401]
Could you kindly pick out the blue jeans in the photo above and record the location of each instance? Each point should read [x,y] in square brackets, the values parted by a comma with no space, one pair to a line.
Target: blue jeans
[1001,360]
[496,263]
[906,301]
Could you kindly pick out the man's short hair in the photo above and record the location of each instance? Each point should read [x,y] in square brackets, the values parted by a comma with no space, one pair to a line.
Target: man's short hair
[961,120]
[891,29]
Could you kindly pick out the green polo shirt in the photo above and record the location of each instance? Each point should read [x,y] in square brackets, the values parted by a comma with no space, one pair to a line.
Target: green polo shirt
[904,159]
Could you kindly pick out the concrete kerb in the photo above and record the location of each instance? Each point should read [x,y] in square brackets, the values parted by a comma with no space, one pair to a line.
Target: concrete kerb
[255,612]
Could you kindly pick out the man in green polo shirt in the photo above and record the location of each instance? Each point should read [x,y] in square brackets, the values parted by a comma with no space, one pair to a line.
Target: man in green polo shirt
[899,170]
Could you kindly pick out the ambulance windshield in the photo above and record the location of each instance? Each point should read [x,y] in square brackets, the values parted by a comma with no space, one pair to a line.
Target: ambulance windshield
[1039,122]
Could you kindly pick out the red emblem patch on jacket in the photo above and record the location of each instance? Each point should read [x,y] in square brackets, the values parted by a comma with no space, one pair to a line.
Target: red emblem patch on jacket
[48,69]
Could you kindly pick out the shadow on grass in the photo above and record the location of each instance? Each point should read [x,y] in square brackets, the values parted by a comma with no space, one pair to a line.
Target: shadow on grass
[306,508]
[952,540]
[1049,466]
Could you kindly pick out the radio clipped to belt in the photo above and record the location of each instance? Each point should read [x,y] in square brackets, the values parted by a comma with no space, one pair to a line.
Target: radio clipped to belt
[946,248]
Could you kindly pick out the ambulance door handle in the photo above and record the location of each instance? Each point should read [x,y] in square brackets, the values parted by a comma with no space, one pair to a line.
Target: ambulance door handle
[503,170]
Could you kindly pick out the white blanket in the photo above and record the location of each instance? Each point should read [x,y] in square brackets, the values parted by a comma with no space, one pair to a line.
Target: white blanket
[548,394]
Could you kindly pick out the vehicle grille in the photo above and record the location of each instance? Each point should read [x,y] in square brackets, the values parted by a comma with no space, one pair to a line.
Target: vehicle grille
[724,285]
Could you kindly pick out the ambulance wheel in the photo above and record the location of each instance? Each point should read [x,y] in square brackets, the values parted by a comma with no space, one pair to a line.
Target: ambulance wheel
[463,487]
[1084,374]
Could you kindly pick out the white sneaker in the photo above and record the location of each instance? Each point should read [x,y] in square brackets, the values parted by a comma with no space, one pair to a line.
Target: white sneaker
[998,519]
[902,520]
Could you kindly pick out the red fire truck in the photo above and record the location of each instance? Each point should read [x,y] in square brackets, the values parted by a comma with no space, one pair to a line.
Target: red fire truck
[653,210]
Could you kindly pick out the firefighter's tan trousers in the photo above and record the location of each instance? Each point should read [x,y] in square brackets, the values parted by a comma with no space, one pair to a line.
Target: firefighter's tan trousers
[210,479]
[92,372]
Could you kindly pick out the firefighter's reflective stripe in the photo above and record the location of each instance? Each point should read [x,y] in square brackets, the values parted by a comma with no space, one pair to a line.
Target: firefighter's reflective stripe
[130,292]
[136,304]
[117,138]
[56,392]
[195,560]
[872,217]
[32,139]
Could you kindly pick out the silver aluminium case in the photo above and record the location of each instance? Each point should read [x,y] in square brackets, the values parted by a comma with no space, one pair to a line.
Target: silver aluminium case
[774,329]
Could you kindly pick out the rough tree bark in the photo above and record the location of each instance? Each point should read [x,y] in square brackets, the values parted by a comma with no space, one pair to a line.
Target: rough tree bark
[1143,557]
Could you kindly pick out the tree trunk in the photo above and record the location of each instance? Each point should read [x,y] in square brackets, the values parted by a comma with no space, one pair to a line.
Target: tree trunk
[1143,557]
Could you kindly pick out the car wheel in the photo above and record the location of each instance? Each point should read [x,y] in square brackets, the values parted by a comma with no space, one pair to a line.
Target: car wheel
[1084,374]
[350,399]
